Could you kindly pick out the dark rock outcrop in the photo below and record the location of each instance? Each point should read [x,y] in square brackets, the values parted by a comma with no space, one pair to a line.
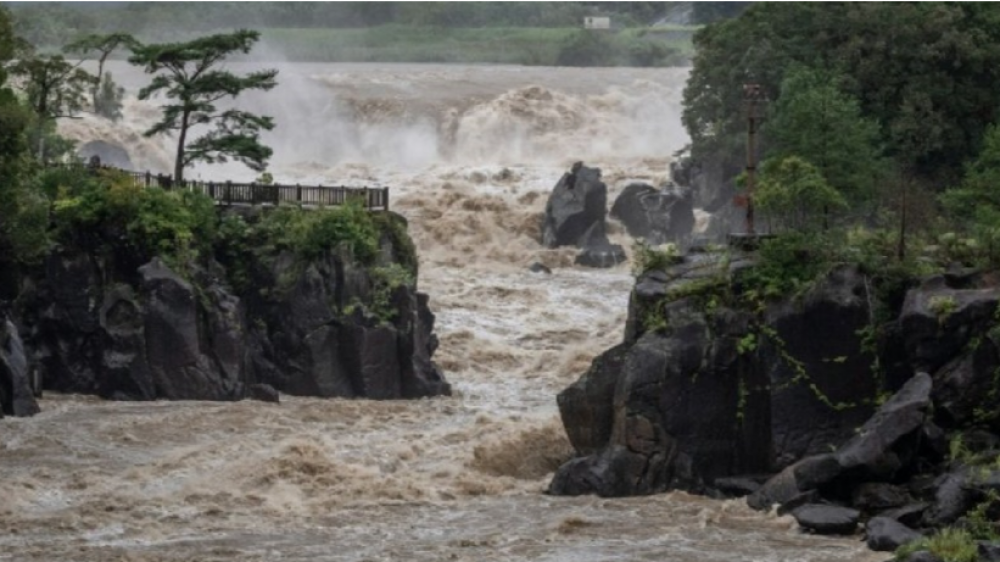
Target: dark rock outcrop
[586,406]
[17,394]
[861,409]
[263,393]
[689,370]
[882,445]
[577,205]
[820,376]
[96,325]
[182,358]
[656,215]
[938,321]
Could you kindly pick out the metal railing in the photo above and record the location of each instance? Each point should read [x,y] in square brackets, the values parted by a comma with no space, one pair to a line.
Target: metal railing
[236,193]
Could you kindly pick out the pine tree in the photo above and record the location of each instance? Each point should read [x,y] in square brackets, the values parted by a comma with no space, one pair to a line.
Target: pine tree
[188,75]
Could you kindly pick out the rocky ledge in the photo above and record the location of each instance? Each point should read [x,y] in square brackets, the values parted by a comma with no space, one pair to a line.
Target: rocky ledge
[328,326]
[844,405]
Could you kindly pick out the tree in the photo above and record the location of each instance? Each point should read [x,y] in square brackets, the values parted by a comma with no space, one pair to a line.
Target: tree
[23,212]
[108,99]
[813,119]
[793,194]
[103,45]
[54,88]
[977,199]
[922,71]
[192,82]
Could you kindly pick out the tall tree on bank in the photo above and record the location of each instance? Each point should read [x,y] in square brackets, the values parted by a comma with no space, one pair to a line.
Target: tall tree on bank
[188,75]
[814,120]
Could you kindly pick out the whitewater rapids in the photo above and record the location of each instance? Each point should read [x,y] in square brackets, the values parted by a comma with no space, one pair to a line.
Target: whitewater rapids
[470,154]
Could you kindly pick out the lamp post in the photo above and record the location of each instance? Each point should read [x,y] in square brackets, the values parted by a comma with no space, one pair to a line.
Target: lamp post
[752,96]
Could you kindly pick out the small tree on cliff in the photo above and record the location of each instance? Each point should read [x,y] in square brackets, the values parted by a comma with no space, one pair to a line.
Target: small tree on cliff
[54,88]
[102,46]
[193,83]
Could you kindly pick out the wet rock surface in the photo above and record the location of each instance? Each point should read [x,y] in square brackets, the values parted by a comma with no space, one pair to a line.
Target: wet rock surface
[577,207]
[95,325]
[701,393]
[656,215]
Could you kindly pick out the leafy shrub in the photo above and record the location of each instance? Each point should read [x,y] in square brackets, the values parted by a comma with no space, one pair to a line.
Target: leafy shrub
[792,194]
[395,227]
[648,258]
[787,264]
[949,544]
[137,222]
[385,280]
[311,233]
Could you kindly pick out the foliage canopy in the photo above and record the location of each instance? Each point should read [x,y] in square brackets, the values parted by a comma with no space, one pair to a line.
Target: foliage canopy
[188,75]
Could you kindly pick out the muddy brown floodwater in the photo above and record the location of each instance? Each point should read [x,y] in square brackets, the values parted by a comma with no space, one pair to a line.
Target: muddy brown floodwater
[470,153]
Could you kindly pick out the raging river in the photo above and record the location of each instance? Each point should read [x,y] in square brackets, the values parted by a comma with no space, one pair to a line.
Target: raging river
[470,154]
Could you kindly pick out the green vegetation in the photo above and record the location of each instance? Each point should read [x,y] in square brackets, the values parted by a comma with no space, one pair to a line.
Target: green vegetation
[104,213]
[949,544]
[794,195]
[111,212]
[191,77]
[385,281]
[896,61]
[647,258]
[104,90]
[53,88]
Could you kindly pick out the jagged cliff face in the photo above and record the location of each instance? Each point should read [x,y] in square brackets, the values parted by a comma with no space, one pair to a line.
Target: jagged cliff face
[305,327]
[702,389]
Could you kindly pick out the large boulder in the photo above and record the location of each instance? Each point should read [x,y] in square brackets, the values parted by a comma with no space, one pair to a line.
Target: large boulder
[888,441]
[827,519]
[17,395]
[796,481]
[939,321]
[886,535]
[656,215]
[577,204]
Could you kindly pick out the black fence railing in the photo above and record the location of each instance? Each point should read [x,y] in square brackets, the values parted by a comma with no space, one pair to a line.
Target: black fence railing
[235,193]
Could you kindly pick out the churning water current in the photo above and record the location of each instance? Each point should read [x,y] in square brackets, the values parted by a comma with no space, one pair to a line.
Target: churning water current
[470,154]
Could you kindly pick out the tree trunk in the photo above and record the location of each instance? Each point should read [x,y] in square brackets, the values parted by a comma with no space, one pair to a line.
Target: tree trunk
[179,162]
[97,85]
